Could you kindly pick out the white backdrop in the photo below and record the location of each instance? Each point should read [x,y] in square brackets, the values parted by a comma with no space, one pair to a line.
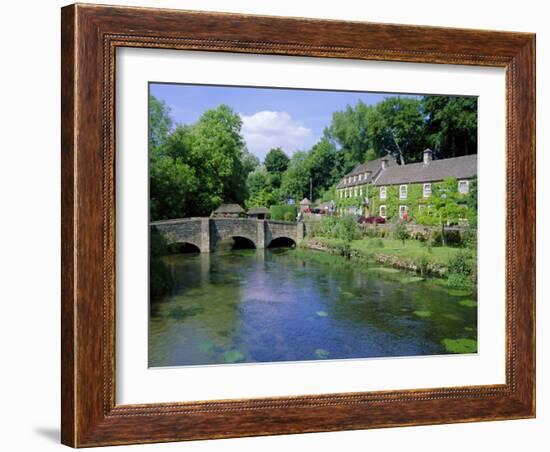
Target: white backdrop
[138,384]
[30,230]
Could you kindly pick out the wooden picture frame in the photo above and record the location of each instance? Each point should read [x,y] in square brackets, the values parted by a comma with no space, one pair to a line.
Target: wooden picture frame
[90,36]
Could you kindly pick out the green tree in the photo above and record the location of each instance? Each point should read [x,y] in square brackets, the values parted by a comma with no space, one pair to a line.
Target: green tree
[200,166]
[397,125]
[349,130]
[259,188]
[322,165]
[449,205]
[451,124]
[295,180]
[276,161]
[250,162]
[160,122]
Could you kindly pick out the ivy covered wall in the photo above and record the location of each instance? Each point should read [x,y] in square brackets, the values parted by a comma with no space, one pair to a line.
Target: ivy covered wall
[444,202]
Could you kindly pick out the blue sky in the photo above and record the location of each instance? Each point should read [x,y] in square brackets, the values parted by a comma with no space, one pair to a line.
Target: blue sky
[292,119]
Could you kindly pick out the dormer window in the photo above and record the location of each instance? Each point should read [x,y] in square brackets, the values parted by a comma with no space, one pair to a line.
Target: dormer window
[382,193]
[463,186]
[360,176]
[427,190]
[403,192]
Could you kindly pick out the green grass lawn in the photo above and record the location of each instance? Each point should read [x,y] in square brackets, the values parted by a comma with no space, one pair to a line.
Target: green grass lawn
[411,249]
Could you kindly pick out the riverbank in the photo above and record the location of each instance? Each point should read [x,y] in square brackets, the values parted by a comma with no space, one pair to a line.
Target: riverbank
[411,255]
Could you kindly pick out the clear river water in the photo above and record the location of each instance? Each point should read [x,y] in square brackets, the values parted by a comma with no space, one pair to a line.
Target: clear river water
[278,305]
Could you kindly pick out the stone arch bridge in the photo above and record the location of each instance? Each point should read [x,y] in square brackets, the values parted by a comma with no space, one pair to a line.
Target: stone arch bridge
[205,233]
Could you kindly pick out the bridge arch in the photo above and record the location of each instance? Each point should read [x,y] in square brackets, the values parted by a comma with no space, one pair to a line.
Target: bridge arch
[281,241]
[182,247]
[239,242]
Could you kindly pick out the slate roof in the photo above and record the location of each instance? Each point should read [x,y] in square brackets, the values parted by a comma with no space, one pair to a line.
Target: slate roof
[374,167]
[229,208]
[257,210]
[436,170]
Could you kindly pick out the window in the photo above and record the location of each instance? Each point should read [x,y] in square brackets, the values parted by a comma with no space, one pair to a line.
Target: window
[427,191]
[383,211]
[355,192]
[463,186]
[341,194]
[360,176]
[402,211]
[403,192]
[360,191]
[383,193]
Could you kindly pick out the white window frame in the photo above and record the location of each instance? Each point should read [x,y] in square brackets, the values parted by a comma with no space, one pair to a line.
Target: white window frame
[427,190]
[382,206]
[466,184]
[406,190]
[360,176]
[383,192]
[403,210]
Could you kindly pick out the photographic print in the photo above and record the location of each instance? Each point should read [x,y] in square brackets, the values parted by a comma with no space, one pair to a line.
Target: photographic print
[300,225]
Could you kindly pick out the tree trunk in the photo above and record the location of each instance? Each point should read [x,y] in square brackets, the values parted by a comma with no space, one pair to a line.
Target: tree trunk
[401,158]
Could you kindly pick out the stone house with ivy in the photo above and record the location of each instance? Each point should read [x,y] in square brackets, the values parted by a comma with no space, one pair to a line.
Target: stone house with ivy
[389,190]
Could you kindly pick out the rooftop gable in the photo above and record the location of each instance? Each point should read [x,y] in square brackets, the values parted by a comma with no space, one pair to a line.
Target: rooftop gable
[464,167]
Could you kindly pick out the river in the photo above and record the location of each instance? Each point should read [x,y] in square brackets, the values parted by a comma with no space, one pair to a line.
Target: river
[279,305]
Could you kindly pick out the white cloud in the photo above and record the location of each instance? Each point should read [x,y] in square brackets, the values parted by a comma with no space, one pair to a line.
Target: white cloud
[268,129]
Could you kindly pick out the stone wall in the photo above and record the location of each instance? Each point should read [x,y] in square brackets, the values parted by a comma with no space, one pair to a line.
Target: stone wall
[205,233]
[226,228]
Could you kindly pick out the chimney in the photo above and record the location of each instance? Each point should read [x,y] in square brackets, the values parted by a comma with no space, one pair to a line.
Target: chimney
[428,156]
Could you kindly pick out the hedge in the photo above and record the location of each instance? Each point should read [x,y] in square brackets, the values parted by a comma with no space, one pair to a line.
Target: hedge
[279,212]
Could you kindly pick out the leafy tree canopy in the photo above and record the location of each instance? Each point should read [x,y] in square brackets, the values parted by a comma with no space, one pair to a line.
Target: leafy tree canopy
[276,161]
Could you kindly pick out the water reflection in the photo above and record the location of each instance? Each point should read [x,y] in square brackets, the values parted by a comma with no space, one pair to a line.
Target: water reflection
[288,305]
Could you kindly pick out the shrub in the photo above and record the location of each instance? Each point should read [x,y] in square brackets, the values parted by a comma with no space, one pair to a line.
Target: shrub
[469,238]
[400,232]
[461,270]
[423,264]
[461,263]
[347,229]
[452,238]
[278,211]
[344,249]
[289,216]
[371,232]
